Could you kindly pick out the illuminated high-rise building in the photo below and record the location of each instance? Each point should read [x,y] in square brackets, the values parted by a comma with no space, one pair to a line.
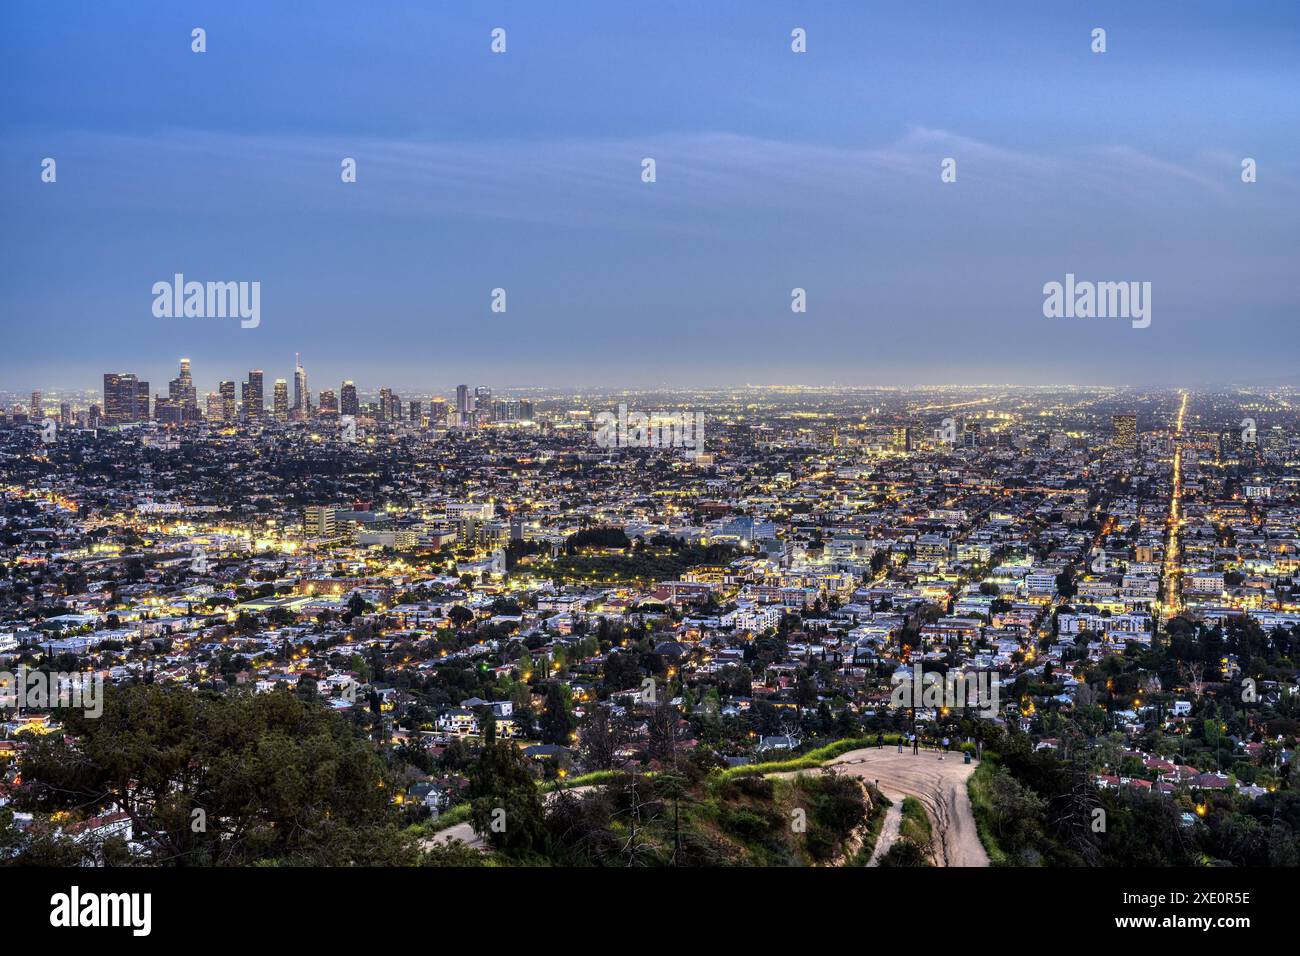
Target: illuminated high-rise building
[228,410]
[168,411]
[348,403]
[512,411]
[301,398]
[182,393]
[126,398]
[318,521]
[281,400]
[254,397]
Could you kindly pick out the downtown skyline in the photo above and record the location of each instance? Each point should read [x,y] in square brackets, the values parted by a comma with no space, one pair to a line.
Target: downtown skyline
[441,381]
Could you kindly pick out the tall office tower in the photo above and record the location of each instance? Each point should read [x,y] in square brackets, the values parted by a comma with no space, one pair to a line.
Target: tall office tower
[348,404]
[168,412]
[254,396]
[281,400]
[228,412]
[1126,431]
[161,407]
[175,390]
[126,398]
[113,396]
[463,407]
[65,413]
[301,400]
[213,408]
[901,439]
[971,435]
[482,404]
[141,402]
[438,411]
[191,394]
[385,401]
[415,413]
[394,407]
[512,411]
[92,417]
[181,389]
[182,393]
[37,412]
[329,403]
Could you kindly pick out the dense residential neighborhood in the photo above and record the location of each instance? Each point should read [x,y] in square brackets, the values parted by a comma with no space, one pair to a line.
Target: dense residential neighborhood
[464,603]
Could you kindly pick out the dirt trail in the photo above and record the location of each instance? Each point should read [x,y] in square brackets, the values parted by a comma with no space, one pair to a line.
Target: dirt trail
[888,832]
[940,785]
[462,832]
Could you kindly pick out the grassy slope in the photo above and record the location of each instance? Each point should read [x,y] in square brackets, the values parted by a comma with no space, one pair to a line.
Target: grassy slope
[880,807]
[808,761]
[915,825]
[977,788]
[751,821]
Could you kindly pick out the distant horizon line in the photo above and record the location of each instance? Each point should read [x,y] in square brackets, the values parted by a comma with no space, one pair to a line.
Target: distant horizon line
[830,387]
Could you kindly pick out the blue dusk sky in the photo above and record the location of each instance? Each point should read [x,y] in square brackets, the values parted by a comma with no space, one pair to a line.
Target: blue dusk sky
[775,170]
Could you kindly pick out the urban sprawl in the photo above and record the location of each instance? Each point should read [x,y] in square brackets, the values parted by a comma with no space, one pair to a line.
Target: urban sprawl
[363,626]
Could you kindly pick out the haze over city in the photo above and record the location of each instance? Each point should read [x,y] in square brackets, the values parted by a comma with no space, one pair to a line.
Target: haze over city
[774,172]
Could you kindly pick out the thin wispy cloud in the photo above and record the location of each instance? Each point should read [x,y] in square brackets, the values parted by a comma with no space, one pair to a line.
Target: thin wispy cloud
[593,182]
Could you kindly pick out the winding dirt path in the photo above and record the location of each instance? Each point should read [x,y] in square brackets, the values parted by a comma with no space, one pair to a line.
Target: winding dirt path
[940,785]
[888,832]
[462,832]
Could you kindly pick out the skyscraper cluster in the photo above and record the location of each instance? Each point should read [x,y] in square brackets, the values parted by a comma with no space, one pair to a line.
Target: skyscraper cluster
[127,400]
